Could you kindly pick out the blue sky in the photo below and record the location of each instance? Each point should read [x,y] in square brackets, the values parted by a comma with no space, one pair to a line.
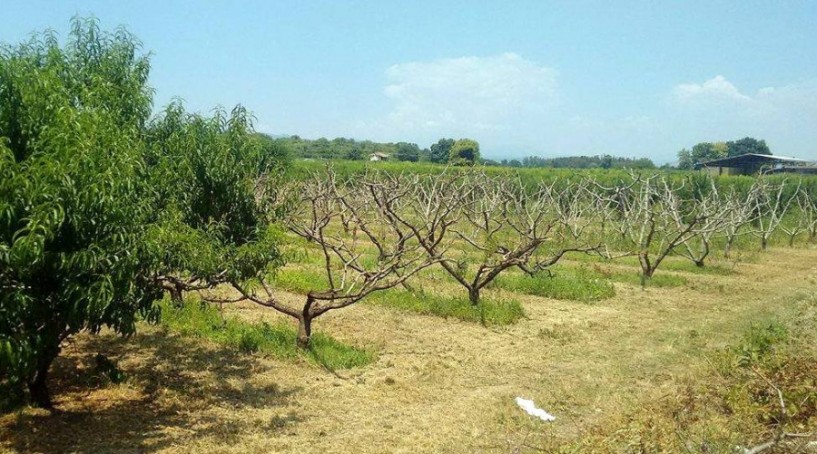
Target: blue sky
[523,78]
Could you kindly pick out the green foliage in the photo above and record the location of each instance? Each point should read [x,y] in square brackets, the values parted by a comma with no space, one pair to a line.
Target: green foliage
[747,145]
[579,284]
[97,201]
[759,340]
[701,152]
[464,152]
[407,152]
[441,151]
[211,177]
[274,153]
[207,322]
[339,148]
[72,200]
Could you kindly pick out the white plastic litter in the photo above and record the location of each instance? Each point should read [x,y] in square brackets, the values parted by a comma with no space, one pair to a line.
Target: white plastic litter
[530,408]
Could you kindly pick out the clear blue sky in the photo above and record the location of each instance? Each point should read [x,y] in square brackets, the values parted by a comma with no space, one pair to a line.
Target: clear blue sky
[523,78]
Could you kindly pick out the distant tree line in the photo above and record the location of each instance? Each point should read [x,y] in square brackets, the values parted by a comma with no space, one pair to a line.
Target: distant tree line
[457,152]
[581,162]
[351,149]
[706,151]
[444,151]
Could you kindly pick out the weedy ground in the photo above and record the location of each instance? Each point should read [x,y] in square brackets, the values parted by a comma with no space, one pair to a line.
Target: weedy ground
[622,369]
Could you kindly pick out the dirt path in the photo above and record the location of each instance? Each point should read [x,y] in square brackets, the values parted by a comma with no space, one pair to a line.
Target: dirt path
[437,385]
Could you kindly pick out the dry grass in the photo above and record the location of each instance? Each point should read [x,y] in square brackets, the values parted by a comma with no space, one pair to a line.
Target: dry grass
[438,385]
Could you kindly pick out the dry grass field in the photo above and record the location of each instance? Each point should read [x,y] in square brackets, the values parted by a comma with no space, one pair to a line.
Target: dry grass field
[436,385]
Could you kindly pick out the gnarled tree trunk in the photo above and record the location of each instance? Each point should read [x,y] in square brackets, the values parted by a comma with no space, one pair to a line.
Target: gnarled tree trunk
[305,325]
[473,295]
[38,382]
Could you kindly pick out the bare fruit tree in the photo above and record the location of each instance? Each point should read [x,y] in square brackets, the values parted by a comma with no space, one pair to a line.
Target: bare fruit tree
[364,250]
[742,212]
[807,203]
[798,221]
[771,206]
[656,221]
[477,226]
[716,211]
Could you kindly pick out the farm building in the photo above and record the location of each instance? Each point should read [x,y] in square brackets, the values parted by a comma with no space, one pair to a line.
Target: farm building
[750,163]
[379,156]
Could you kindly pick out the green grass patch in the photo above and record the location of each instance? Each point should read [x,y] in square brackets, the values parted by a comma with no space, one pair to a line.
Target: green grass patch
[299,280]
[488,312]
[658,280]
[206,322]
[579,284]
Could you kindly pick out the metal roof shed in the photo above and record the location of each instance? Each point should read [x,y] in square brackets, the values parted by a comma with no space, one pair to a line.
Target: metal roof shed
[750,163]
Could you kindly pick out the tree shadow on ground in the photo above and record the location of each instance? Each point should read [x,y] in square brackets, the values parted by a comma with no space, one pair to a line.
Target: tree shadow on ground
[174,392]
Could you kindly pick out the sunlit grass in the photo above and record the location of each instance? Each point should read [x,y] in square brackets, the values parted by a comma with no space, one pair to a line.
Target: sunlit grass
[278,340]
[579,284]
[658,279]
[487,312]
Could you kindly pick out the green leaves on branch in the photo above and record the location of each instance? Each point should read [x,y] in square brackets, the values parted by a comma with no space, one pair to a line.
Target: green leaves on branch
[71,199]
[98,203]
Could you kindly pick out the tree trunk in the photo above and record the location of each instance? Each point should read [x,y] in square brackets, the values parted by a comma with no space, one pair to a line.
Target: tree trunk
[176,294]
[727,251]
[304,332]
[699,263]
[38,383]
[646,268]
[791,240]
[764,241]
[473,295]
[646,275]
[38,390]
[305,325]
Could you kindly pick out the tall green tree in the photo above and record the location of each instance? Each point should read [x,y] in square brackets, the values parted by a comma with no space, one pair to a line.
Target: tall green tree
[407,152]
[747,145]
[464,152]
[701,152]
[441,150]
[72,196]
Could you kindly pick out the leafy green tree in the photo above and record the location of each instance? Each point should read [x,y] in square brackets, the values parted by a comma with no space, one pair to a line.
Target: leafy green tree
[72,200]
[464,152]
[747,145]
[210,178]
[441,150]
[701,152]
[273,151]
[101,208]
[408,152]
[355,154]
